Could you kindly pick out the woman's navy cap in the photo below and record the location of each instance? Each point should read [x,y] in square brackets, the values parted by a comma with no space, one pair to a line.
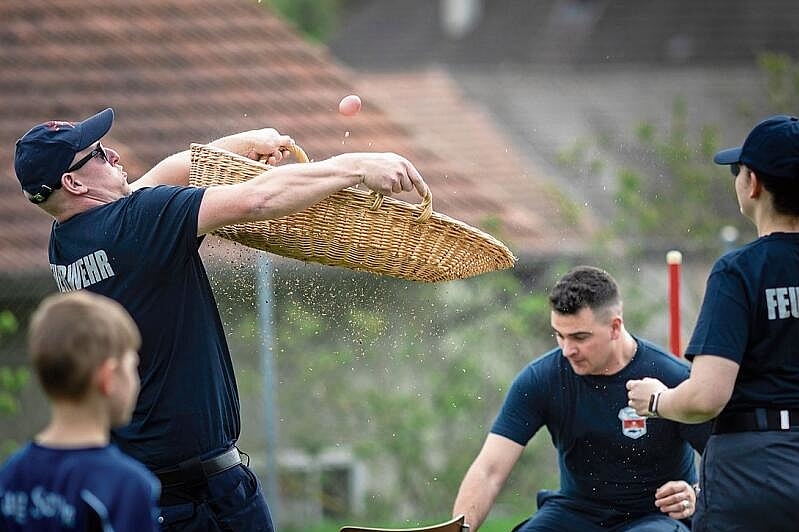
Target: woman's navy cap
[772,148]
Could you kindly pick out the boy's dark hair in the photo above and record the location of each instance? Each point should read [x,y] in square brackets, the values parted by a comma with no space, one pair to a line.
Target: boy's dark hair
[581,287]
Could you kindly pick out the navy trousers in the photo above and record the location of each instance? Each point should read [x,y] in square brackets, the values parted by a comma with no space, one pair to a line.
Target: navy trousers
[227,502]
[556,513]
[750,482]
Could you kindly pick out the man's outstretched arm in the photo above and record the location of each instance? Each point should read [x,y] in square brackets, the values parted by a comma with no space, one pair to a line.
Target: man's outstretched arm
[485,479]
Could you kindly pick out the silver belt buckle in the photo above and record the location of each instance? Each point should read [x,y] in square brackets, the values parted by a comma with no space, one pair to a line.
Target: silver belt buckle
[785,420]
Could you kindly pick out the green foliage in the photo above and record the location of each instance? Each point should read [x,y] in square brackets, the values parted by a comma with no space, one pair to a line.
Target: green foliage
[782,80]
[8,323]
[686,200]
[683,199]
[570,212]
[636,214]
[12,382]
[583,154]
[690,199]
[314,18]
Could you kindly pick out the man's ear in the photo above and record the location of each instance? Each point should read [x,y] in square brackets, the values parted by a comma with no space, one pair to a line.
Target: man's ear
[615,326]
[70,182]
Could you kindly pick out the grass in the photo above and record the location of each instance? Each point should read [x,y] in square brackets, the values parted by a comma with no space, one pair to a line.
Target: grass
[502,524]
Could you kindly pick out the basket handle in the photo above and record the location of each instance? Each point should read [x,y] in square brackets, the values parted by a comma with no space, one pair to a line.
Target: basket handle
[295,150]
[426,204]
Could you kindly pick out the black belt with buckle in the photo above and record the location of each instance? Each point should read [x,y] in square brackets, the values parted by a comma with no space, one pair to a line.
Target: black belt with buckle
[196,471]
[759,419]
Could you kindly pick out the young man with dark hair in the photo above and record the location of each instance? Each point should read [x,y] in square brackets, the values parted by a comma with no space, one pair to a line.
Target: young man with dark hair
[618,471]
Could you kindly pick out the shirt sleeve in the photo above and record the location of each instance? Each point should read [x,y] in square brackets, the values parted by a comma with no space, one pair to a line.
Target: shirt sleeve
[164,222]
[521,414]
[722,328]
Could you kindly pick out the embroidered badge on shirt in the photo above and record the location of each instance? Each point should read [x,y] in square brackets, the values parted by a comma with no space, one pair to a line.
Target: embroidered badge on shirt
[632,425]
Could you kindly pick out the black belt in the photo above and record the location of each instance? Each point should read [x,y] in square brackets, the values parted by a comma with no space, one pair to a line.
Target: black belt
[195,471]
[758,419]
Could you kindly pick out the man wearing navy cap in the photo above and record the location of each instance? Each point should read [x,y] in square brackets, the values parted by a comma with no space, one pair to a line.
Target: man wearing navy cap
[745,350]
[138,244]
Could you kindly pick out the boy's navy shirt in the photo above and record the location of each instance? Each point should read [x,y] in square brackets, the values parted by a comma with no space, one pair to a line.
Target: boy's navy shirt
[45,489]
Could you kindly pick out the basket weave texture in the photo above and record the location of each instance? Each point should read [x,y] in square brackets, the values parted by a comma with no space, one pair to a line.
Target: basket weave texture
[356,229]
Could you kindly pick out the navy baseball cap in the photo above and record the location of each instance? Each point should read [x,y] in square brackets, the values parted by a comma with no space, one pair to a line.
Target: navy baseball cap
[45,152]
[772,147]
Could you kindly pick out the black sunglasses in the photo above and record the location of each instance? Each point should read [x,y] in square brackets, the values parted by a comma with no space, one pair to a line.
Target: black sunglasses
[98,151]
[735,169]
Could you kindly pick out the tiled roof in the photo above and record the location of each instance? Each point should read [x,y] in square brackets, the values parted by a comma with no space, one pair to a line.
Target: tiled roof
[181,71]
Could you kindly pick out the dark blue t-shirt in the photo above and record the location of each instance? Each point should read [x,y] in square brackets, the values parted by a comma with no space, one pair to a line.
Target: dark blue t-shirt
[45,489]
[750,315]
[608,456]
[142,251]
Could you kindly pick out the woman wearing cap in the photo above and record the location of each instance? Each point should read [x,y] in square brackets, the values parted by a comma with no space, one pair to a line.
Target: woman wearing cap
[745,350]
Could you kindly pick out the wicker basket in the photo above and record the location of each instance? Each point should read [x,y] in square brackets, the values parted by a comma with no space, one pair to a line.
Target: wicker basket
[356,229]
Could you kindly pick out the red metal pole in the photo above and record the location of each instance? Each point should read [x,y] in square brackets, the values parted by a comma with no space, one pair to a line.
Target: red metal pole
[674,261]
